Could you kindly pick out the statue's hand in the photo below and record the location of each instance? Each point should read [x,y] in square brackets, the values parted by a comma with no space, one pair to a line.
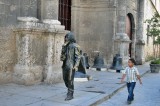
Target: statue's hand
[63,57]
[75,68]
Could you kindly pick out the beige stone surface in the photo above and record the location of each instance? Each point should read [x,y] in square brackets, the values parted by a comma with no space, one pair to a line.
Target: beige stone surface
[53,74]
[49,9]
[38,46]
[92,23]
[27,75]
[7,54]
[96,24]
[5,77]
[148,13]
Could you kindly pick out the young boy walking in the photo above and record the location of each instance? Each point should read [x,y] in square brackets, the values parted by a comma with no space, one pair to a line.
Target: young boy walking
[131,72]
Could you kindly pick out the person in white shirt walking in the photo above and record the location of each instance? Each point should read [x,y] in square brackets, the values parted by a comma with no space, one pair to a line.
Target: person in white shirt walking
[132,73]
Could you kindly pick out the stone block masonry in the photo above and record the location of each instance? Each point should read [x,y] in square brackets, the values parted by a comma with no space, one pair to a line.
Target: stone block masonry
[30,49]
[7,54]
[38,48]
[11,9]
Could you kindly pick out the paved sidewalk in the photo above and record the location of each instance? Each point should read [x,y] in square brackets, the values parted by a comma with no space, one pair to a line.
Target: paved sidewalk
[103,85]
[147,94]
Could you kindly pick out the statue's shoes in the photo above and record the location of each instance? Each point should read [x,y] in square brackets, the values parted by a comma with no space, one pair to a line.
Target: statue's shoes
[68,98]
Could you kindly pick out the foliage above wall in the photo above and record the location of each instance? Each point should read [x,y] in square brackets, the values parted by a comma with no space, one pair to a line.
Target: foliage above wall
[154,27]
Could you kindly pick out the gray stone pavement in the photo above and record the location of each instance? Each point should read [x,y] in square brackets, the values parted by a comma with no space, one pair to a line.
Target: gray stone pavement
[103,85]
[147,94]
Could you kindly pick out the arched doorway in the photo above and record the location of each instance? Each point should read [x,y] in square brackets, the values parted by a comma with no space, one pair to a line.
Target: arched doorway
[130,30]
[65,13]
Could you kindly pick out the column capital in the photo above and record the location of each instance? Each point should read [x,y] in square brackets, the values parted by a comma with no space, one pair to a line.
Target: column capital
[122,37]
[54,25]
[140,42]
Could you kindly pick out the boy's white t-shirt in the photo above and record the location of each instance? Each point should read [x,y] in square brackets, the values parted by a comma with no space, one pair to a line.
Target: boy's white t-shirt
[131,74]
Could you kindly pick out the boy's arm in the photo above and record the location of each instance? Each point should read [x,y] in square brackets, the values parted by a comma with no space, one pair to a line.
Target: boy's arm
[123,76]
[139,78]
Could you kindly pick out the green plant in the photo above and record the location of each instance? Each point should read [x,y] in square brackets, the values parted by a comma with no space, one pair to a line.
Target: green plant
[156,61]
[154,28]
[153,31]
[149,58]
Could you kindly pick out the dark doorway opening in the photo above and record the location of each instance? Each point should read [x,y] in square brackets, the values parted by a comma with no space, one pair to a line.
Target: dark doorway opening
[65,13]
[130,26]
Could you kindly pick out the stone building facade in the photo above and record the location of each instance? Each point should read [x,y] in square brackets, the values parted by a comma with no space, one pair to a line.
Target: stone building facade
[150,8]
[101,26]
[31,35]
[31,39]
[114,26]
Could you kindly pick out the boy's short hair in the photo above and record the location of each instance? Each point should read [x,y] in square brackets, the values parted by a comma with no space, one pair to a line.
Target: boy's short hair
[133,61]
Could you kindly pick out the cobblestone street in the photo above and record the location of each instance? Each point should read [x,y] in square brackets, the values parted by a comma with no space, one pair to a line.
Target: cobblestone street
[147,94]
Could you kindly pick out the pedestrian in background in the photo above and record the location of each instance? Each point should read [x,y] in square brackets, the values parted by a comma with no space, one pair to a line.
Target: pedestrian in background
[132,73]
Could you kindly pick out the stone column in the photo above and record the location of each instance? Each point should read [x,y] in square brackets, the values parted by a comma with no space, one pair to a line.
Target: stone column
[139,38]
[55,40]
[121,38]
[28,70]
[49,9]
[140,52]
[56,32]
[38,51]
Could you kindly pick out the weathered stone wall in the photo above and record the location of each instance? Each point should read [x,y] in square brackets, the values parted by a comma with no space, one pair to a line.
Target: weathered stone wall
[7,54]
[38,48]
[148,13]
[126,13]
[93,25]
[132,9]
[9,11]
[49,9]
[29,56]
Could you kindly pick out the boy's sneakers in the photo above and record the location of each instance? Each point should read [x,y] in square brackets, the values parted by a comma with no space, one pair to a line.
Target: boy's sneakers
[129,102]
[133,99]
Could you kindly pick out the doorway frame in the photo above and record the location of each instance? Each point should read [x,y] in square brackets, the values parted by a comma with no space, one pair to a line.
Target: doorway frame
[133,37]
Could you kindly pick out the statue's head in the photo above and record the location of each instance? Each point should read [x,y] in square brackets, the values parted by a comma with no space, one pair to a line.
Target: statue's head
[70,37]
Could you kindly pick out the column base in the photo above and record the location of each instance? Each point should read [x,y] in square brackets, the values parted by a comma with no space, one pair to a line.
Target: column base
[53,74]
[125,61]
[140,52]
[140,61]
[5,77]
[27,75]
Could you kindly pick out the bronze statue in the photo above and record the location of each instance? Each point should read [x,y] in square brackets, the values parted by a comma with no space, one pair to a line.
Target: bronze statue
[71,57]
[82,64]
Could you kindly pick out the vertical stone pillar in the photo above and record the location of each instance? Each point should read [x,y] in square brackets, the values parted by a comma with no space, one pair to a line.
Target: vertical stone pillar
[140,52]
[121,21]
[56,32]
[55,40]
[49,9]
[28,71]
[121,38]
[38,51]
[139,38]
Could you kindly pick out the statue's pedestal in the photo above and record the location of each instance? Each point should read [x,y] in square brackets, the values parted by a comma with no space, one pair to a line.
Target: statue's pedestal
[38,51]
